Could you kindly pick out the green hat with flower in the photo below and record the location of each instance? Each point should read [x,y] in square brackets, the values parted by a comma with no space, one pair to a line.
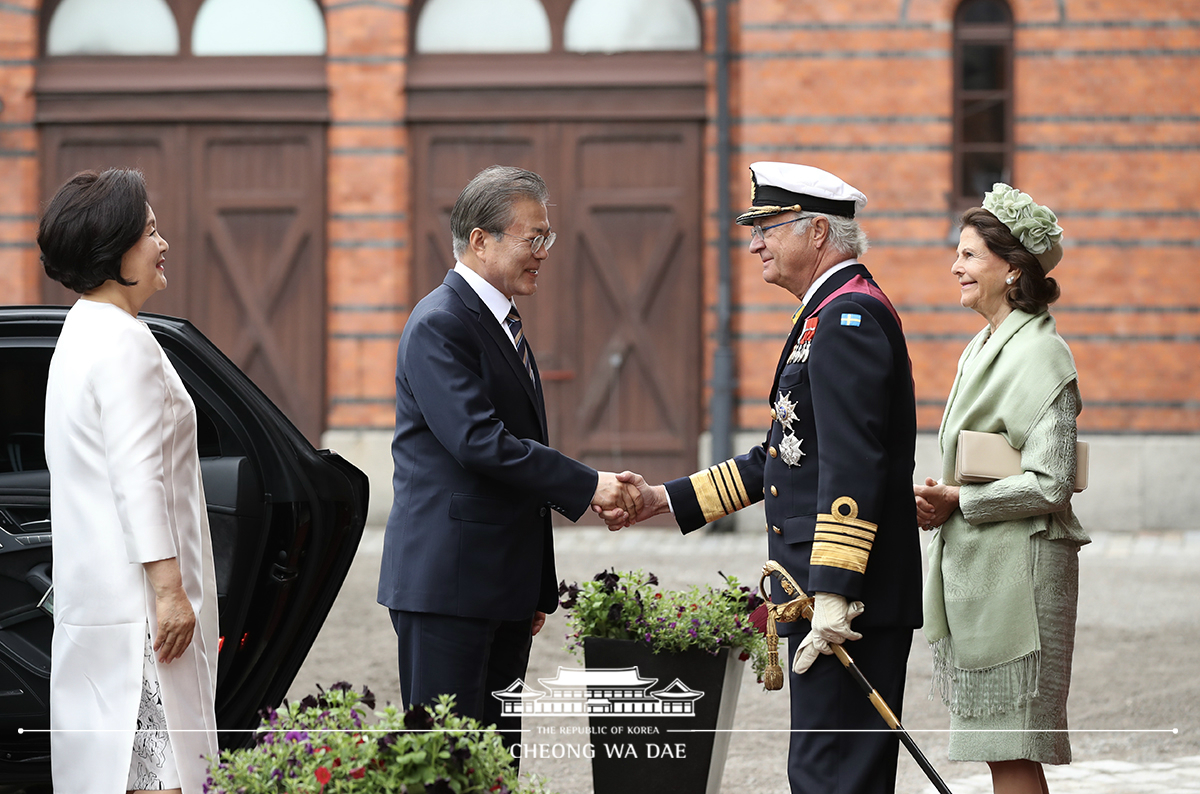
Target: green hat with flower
[1033,224]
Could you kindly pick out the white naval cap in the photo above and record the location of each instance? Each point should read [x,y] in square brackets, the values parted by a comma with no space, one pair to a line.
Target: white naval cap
[790,187]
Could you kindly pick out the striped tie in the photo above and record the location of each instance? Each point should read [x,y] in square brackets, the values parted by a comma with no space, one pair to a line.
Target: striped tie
[514,327]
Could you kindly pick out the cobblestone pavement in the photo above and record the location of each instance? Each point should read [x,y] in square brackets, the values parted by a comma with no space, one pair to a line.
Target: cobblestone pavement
[1134,676]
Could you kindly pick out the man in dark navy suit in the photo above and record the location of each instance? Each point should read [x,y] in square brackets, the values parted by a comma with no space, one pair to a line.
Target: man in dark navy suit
[836,473]
[468,555]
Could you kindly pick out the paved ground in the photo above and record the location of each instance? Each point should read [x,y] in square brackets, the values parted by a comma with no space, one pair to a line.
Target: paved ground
[1133,706]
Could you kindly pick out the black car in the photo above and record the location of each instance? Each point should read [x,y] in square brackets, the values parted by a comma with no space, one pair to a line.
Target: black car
[285,518]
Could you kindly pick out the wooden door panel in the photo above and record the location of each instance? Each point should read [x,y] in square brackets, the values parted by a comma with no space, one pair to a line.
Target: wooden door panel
[635,235]
[156,149]
[258,287]
[449,156]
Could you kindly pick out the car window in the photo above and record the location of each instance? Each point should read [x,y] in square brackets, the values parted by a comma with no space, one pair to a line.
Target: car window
[23,373]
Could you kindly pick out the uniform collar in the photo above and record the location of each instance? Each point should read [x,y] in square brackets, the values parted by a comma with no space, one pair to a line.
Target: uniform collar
[821,279]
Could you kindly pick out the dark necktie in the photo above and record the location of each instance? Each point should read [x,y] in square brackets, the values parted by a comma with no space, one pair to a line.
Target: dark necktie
[514,327]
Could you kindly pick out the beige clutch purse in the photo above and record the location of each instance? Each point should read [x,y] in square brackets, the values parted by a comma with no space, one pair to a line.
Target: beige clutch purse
[983,457]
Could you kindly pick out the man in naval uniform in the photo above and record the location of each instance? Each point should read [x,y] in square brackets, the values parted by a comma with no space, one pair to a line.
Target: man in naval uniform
[836,473]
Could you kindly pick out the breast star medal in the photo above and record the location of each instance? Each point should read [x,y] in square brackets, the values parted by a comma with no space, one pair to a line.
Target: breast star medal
[785,411]
[789,449]
[785,414]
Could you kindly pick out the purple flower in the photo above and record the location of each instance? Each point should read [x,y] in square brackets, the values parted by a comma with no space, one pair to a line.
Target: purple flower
[295,736]
[648,637]
[608,580]
[418,718]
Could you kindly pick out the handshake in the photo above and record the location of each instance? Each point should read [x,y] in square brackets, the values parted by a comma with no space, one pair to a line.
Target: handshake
[622,500]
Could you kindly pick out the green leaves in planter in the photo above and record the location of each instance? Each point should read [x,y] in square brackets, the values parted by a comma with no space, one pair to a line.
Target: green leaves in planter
[325,745]
[630,605]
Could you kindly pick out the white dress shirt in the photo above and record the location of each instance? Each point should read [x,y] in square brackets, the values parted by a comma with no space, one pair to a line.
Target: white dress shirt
[492,298]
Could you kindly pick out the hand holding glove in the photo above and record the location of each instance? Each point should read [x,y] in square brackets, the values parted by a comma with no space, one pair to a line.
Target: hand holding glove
[830,624]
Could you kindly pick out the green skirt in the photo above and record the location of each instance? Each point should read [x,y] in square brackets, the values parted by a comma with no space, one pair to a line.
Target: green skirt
[1037,730]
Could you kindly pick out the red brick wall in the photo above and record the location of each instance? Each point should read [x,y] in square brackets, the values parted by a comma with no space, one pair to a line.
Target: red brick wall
[1106,134]
[368,266]
[19,267]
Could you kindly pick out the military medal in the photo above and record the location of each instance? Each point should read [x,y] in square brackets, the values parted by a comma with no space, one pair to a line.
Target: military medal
[789,446]
[785,411]
[800,351]
[789,449]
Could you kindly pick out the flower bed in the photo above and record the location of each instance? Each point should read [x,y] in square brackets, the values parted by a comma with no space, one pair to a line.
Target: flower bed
[630,605]
[323,745]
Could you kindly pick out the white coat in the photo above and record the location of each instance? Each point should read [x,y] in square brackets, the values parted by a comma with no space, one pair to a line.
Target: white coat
[125,489]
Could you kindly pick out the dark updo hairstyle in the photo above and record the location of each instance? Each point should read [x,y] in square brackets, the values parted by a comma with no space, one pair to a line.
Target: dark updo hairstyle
[89,225]
[1034,290]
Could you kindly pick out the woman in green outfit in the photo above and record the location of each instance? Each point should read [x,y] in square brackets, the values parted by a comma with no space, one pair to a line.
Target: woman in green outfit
[1003,582]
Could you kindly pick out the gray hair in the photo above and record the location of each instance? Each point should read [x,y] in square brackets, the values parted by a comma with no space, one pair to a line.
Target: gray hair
[845,235]
[487,202]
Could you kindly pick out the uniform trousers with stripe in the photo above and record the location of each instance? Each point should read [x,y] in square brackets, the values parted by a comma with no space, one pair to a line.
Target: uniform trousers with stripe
[827,754]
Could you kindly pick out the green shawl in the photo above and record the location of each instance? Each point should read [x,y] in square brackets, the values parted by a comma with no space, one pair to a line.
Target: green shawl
[980,617]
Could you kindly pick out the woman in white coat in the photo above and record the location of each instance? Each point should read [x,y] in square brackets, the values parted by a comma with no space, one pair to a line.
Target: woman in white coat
[134,654]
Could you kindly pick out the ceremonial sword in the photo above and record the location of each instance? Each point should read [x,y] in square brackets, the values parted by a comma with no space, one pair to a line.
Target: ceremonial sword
[788,612]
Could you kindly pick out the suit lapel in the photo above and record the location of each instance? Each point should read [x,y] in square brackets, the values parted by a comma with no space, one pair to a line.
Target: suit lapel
[503,342]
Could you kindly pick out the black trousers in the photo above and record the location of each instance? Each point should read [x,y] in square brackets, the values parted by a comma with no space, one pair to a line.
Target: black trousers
[827,754]
[469,658]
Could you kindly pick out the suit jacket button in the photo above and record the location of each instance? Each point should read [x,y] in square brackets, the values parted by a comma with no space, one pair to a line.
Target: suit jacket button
[773,452]
[543,512]
[773,414]
[768,527]
[777,530]
[773,491]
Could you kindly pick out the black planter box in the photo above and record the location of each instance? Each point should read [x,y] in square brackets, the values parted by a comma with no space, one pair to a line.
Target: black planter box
[656,750]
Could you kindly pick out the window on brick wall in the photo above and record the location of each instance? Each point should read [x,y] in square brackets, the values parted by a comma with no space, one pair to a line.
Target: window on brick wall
[628,25]
[100,27]
[483,26]
[983,98]
[554,26]
[259,27]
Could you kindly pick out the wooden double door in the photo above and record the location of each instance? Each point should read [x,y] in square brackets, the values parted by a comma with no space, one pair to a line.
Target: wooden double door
[242,207]
[615,324]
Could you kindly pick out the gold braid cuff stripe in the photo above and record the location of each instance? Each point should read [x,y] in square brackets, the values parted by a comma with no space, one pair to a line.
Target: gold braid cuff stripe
[847,521]
[866,534]
[836,555]
[719,490]
[838,537]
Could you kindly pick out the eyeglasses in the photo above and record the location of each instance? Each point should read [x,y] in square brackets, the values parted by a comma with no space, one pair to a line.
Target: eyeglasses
[535,243]
[760,232]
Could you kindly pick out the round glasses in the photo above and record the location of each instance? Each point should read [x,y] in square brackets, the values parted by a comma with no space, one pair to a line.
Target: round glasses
[536,244]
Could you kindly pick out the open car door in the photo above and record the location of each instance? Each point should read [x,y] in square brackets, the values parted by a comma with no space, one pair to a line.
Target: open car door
[286,520]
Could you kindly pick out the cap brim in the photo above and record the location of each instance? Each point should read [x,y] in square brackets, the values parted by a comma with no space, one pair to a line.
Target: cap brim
[748,217]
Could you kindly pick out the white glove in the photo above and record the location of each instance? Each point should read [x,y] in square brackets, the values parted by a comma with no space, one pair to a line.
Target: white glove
[809,649]
[830,624]
[831,618]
